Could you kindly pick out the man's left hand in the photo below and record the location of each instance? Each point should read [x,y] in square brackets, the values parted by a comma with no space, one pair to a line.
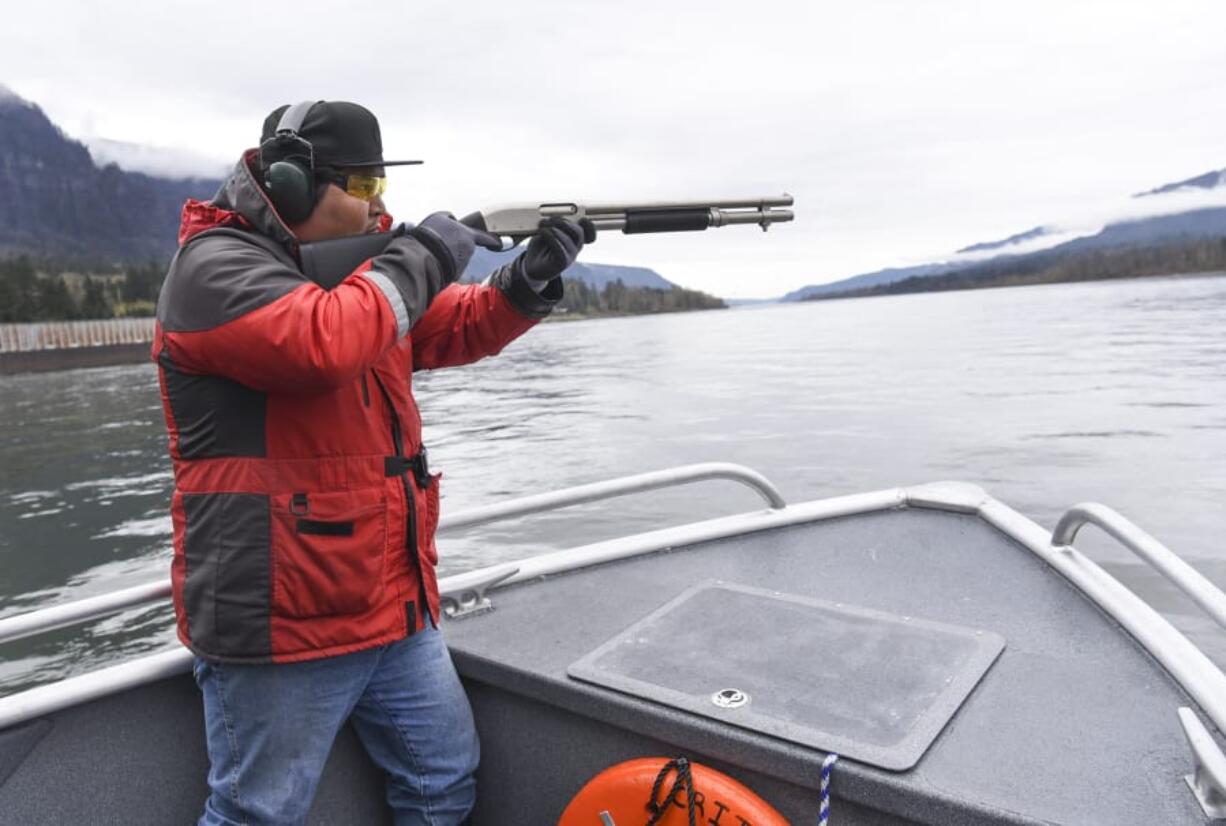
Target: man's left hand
[555,247]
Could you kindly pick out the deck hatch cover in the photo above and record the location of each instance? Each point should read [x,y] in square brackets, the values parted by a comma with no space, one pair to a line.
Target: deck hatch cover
[869,685]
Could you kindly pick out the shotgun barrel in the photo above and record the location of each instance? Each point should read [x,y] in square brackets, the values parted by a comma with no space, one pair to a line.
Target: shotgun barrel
[520,221]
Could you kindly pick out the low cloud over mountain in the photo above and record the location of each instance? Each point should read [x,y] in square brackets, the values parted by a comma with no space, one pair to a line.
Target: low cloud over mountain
[1188,210]
[157,161]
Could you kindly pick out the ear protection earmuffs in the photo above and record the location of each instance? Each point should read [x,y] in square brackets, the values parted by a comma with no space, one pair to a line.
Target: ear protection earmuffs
[288,161]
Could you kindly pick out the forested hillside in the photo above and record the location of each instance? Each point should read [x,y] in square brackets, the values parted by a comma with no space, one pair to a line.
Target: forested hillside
[1172,258]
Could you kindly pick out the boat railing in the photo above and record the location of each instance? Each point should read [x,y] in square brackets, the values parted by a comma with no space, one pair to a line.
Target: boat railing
[638,483]
[78,611]
[72,690]
[1199,676]
[1184,577]
[1208,779]
[91,608]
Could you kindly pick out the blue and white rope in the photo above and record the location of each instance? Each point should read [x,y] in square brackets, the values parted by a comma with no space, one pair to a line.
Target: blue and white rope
[823,809]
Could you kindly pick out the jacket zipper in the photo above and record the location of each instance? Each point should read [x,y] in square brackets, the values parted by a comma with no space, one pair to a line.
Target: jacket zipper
[410,539]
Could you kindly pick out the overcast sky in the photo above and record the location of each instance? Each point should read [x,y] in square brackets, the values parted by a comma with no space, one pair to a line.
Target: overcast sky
[904,129]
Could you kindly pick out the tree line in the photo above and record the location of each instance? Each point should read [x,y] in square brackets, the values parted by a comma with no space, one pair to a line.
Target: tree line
[616,298]
[28,292]
[1176,257]
[35,291]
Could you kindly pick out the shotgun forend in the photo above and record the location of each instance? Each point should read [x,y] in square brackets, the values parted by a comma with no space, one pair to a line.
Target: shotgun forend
[519,221]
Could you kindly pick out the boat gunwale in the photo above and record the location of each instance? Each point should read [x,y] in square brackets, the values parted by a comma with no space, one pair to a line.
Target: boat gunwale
[1190,667]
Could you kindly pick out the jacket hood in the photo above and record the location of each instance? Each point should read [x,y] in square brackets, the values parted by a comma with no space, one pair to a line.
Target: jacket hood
[240,203]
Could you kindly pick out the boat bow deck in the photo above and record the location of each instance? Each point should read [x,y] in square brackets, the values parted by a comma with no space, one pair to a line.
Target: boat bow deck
[1074,723]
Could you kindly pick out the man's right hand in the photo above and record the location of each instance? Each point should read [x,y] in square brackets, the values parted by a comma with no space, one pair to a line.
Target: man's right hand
[451,242]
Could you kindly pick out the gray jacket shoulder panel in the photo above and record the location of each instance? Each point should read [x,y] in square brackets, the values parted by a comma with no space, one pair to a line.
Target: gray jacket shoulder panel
[222,276]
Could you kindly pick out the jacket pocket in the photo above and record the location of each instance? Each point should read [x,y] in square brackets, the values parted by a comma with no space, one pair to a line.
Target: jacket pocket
[328,552]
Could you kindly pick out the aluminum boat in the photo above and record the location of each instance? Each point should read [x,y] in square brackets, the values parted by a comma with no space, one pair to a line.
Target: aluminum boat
[966,665]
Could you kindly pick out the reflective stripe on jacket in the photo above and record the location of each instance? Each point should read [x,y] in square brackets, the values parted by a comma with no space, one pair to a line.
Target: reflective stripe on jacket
[297,533]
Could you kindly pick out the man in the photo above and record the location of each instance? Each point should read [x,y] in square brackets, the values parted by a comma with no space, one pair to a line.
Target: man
[304,512]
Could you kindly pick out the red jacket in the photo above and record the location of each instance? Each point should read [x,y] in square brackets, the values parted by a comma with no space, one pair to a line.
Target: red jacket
[300,527]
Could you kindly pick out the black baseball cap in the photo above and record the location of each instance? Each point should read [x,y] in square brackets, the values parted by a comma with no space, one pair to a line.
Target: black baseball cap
[342,134]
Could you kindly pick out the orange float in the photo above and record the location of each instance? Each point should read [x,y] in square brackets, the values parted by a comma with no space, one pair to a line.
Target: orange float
[622,795]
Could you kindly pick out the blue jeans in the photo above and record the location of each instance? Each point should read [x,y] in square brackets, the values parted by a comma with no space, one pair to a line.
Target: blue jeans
[270,727]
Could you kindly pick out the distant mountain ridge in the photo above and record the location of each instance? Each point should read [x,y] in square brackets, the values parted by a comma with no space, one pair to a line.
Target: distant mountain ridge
[56,200]
[1188,226]
[868,279]
[1209,180]
[1028,235]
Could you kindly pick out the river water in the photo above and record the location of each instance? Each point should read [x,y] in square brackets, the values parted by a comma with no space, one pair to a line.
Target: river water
[1045,396]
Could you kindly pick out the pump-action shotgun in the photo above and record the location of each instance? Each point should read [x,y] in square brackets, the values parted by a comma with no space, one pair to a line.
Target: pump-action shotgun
[328,262]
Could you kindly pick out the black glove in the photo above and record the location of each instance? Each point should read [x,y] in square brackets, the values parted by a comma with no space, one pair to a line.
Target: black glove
[451,242]
[555,247]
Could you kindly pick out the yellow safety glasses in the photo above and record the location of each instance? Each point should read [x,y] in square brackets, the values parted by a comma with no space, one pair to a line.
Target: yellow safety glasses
[366,187]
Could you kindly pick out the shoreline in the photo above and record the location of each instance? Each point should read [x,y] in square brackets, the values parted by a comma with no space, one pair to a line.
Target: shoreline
[51,359]
[564,317]
[70,358]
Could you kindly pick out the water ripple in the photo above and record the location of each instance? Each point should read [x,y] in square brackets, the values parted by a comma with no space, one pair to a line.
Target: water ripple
[1019,390]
